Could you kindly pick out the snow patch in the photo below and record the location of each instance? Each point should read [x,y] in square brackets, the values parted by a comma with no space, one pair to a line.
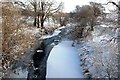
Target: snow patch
[56,32]
[19,73]
[61,27]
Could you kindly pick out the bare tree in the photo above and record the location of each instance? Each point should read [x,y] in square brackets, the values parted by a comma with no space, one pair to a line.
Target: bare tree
[87,14]
[60,18]
[97,11]
[43,9]
[118,6]
[34,5]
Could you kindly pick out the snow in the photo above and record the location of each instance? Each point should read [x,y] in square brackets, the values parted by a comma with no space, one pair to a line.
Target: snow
[32,30]
[63,62]
[101,38]
[113,15]
[95,54]
[19,73]
[30,20]
[56,32]
[62,27]
[100,54]
[103,25]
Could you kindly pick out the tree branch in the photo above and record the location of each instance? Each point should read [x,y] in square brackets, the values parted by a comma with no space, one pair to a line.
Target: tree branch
[113,4]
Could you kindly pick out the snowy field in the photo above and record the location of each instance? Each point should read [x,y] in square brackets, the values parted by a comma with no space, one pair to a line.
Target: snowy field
[63,62]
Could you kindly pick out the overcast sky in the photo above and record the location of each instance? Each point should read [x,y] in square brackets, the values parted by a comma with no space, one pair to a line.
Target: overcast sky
[69,5]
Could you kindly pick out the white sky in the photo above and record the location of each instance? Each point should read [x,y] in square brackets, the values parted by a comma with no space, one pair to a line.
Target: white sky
[69,5]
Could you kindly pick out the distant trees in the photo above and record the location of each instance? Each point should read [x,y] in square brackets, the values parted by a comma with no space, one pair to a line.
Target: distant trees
[86,16]
[97,11]
[60,18]
[42,10]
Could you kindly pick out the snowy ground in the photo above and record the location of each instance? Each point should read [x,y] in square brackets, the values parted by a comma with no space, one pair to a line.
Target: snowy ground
[20,74]
[63,62]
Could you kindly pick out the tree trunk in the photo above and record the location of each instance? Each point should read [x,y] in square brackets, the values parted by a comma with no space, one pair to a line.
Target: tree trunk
[92,25]
[119,14]
[38,22]
[118,41]
[42,24]
[60,21]
[43,14]
[35,16]
[81,32]
[35,21]
[92,29]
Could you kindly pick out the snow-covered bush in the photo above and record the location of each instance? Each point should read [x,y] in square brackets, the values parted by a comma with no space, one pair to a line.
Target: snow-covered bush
[103,60]
[100,55]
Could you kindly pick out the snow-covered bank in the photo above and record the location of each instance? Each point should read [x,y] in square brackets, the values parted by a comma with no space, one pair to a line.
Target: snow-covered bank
[99,54]
[63,62]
